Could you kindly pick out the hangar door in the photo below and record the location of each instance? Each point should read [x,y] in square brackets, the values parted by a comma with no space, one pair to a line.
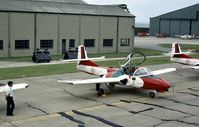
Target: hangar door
[164,26]
[195,27]
[185,27]
[174,27]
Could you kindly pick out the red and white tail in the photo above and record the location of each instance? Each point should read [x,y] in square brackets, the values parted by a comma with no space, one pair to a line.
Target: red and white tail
[176,48]
[82,54]
[86,64]
[177,53]
[83,58]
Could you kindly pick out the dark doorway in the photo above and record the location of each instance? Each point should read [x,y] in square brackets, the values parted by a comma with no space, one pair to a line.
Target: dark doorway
[63,46]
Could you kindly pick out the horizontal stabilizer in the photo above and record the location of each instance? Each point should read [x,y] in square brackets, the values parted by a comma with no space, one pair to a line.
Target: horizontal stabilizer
[74,60]
[169,54]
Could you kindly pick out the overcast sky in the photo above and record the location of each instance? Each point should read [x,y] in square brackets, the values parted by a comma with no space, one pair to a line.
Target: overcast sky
[144,9]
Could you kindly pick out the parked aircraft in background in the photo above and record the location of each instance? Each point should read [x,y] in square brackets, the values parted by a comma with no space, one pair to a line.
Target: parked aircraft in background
[4,87]
[186,36]
[143,34]
[180,57]
[127,75]
[161,35]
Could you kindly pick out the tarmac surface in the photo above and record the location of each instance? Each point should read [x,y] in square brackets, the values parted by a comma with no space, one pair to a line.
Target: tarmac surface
[47,103]
[152,42]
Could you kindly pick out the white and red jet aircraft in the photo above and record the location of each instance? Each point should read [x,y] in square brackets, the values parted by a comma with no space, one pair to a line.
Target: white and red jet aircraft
[127,75]
[181,57]
[4,87]
[186,36]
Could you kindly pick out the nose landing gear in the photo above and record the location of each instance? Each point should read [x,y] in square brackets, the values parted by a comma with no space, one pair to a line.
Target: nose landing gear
[152,93]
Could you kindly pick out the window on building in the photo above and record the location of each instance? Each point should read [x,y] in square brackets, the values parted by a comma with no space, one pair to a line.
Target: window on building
[107,42]
[46,44]
[1,44]
[21,44]
[125,42]
[72,43]
[89,42]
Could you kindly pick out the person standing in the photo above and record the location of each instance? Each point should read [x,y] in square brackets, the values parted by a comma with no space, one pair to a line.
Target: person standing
[10,100]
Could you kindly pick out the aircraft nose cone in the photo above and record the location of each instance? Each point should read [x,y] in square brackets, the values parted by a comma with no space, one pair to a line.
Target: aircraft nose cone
[166,85]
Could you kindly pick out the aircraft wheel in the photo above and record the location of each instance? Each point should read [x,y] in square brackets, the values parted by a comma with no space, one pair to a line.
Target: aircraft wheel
[100,92]
[151,94]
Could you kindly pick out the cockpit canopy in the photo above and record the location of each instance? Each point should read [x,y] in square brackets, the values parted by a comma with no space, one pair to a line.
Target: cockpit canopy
[134,59]
[134,71]
[141,71]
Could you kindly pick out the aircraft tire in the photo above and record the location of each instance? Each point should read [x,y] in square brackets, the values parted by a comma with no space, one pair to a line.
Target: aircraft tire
[100,92]
[151,94]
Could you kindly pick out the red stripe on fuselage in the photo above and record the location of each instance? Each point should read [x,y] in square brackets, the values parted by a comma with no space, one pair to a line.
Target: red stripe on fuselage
[110,72]
[181,56]
[88,63]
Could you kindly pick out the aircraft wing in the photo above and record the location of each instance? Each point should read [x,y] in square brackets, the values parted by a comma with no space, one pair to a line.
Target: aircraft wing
[4,87]
[162,71]
[91,81]
[192,67]
[95,80]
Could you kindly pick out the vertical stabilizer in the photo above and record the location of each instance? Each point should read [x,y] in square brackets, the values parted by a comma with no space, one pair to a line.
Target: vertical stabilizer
[176,48]
[83,59]
[177,53]
[82,54]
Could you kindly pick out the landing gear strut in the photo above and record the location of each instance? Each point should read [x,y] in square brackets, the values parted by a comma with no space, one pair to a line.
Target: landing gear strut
[99,90]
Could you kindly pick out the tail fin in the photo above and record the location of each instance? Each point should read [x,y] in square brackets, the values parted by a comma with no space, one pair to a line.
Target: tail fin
[82,54]
[176,48]
[177,53]
[83,58]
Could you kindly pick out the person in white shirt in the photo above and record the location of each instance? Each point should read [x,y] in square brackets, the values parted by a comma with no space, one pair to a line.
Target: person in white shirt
[10,100]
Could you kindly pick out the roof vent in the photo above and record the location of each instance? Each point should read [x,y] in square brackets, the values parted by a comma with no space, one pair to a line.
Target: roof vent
[124,6]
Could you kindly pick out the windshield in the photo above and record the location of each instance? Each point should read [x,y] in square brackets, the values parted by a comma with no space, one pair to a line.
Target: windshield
[142,71]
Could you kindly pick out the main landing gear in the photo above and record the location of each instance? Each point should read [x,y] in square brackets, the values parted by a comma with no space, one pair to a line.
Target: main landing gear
[99,90]
[152,93]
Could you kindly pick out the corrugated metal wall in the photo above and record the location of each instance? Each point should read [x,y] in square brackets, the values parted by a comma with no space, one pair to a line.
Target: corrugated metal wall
[174,27]
[164,26]
[154,26]
[184,27]
[180,22]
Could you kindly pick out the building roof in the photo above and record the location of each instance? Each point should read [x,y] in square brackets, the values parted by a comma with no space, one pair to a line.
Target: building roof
[189,12]
[62,7]
[62,1]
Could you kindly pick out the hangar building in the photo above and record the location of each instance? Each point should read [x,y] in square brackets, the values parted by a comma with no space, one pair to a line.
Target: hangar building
[179,22]
[58,25]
